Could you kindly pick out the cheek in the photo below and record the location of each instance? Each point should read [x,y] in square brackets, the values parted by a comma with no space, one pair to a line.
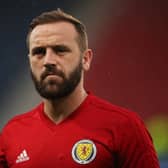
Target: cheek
[35,68]
[74,68]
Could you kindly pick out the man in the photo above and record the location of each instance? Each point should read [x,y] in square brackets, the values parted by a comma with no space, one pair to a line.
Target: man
[71,127]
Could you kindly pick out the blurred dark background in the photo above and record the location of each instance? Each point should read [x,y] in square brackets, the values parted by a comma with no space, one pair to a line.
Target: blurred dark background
[129,39]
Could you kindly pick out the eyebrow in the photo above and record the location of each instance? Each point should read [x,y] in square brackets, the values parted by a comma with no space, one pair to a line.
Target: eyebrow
[60,47]
[56,48]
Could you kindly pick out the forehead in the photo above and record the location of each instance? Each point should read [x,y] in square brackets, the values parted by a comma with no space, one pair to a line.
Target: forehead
[53,33]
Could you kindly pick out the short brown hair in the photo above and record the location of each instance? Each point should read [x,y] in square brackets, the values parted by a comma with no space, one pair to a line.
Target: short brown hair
[57,16]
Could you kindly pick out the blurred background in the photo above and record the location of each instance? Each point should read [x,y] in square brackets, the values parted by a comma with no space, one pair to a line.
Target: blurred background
[129,39]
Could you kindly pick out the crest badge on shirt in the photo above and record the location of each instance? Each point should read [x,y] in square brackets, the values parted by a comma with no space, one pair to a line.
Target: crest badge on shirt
[84,151]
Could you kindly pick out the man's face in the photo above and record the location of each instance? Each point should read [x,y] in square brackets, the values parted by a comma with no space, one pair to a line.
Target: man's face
[55,59]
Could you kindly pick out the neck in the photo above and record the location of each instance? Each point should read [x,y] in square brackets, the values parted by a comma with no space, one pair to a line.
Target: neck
[58,110]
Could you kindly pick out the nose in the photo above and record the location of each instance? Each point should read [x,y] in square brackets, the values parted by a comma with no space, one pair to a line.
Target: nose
[50,57]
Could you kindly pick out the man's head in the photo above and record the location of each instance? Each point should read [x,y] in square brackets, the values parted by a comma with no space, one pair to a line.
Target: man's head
[58,53]
[59,16]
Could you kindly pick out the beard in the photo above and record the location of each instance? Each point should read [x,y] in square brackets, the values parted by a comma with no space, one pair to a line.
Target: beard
[54,90]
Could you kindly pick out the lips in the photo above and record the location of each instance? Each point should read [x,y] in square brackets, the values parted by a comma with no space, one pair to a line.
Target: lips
[51,75]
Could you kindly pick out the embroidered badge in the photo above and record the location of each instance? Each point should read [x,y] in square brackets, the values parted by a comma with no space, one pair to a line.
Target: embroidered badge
[84,151]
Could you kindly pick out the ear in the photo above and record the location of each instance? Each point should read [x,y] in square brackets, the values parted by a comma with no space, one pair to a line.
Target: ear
[87,58]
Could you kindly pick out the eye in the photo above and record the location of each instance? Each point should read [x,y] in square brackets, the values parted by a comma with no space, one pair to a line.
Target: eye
[60,49]
[39,51]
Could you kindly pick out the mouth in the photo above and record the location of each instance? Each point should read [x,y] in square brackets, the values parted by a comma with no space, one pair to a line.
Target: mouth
[52,76]
[48,75]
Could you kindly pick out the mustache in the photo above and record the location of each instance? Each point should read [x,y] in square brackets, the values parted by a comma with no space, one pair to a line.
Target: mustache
[50,70]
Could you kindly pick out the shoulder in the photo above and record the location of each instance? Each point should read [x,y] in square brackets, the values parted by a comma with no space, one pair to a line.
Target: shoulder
[124,122]
[119,119]
[22,119]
